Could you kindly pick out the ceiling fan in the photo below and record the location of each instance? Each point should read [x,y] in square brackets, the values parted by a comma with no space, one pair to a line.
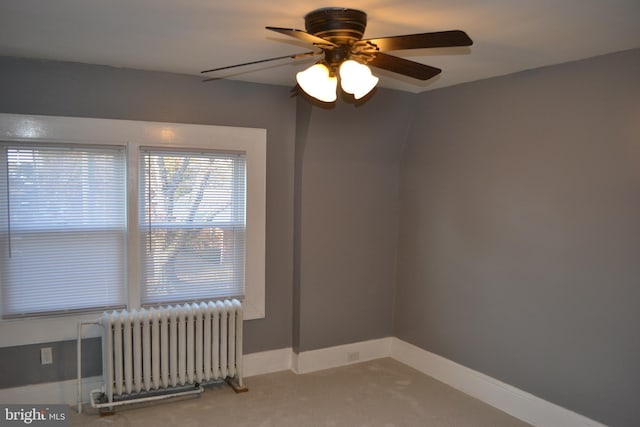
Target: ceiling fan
[337,33]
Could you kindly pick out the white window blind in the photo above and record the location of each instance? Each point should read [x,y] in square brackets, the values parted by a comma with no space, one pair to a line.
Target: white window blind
[192,225]
[62,228]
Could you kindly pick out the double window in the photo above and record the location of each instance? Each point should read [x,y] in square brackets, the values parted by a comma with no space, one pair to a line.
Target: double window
[162,214]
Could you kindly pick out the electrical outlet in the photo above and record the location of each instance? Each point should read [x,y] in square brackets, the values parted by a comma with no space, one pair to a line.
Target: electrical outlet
[46,355]
[353,356]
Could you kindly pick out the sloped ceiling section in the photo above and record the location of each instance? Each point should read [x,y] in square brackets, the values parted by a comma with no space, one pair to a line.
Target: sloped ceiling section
[187,36]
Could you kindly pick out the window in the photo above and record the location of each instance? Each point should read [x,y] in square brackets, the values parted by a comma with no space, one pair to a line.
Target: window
[192,225]
[63,228]
[148,214]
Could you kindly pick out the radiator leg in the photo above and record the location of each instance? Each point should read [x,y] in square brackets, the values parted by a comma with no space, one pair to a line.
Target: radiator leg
[236,385]
[106,412]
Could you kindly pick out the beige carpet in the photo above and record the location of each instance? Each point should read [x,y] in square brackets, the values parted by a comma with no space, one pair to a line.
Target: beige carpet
[382,393]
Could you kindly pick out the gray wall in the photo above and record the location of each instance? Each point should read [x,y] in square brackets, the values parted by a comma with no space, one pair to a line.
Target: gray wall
[68,89]
[518,201]
[519,250]
[347,214]
[20,365]
[340,166]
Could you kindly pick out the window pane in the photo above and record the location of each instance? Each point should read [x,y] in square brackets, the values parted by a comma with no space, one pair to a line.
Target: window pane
[62,228]
[192,213]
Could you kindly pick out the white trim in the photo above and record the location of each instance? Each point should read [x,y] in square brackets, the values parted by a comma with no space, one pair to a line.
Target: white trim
[341,355]
[267,362]
[135,134]
[15,332]
[504,397]
[315,360]
[509,399]
[62,392]
[66,392]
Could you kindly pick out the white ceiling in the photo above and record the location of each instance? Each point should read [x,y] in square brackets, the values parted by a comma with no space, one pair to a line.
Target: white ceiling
[187,36]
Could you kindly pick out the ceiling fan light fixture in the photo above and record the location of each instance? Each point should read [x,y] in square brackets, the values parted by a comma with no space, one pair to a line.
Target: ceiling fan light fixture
[356,78]
[317,82]
[338,33]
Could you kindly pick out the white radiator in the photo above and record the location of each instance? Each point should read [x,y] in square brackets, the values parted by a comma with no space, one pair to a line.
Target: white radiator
[155,349]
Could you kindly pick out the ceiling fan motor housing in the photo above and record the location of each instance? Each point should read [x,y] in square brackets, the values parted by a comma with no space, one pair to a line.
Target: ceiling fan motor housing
[339,25]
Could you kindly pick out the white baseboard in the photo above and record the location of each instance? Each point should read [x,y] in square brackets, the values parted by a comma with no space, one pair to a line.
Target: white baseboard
[315,360]
[515,402]
[509,399]
[341,355]
[266,362]
[66,392]
[62,392]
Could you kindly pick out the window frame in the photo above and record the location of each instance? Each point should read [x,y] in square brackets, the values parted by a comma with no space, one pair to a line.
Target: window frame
[134,135]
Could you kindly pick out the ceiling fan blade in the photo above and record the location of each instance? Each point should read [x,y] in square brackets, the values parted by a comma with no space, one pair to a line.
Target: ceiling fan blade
[424,40]
[294,56]
[404,66]
[303,35]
